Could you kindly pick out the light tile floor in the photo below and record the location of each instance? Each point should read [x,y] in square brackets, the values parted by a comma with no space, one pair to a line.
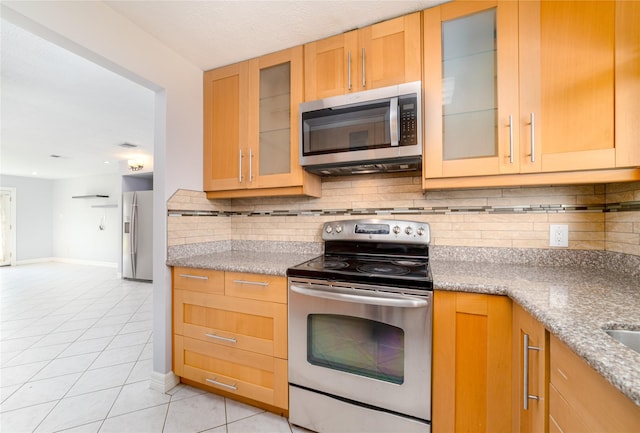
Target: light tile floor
[76,353]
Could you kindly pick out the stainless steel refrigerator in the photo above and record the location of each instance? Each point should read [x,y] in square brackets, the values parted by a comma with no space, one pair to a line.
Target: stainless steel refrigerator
[137,235]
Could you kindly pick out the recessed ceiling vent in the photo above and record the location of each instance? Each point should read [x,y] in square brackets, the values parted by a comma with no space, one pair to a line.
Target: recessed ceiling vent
[128,145]
[55,156]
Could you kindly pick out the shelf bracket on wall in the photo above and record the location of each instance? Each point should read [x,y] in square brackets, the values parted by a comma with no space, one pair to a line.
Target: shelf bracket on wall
[90,196]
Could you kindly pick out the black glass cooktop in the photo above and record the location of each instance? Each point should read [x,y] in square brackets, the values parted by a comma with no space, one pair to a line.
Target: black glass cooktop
[410,272]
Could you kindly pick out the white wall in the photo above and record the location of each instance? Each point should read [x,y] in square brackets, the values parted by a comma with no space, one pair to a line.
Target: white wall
[34,207]
[97,32]
[76,223]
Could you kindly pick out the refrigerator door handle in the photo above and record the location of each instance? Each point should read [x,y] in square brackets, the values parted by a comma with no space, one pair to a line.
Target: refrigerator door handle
[134,234]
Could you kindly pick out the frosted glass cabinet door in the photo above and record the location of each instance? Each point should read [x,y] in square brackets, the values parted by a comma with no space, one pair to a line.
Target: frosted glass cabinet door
[470,89]
[275,128]
[469,86]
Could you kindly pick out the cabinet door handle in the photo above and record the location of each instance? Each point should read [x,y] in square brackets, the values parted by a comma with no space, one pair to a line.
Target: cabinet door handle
[364,70]
[224,385]
[254,283]
[349,70]
[525,373]
[510,139]
[195,277]
[250,165]
[219,337]
[533,137]
[240,168]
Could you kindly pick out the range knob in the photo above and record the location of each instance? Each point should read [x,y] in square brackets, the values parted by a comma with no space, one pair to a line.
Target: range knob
[338,228]
[420,231]
[408,230]
[328,229]
[396,229]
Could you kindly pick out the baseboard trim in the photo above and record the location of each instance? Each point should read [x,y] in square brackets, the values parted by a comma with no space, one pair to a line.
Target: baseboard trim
[33,261]
[163,382]
[85,262]
[66,260]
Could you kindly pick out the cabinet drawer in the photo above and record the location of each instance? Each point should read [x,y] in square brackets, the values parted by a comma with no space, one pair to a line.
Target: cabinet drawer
[589,396]
[247,374]
[255,286]
[200,280]
[246,324]
[561,417]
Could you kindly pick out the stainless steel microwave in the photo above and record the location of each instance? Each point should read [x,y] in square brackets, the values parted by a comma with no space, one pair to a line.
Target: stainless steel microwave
[377,130]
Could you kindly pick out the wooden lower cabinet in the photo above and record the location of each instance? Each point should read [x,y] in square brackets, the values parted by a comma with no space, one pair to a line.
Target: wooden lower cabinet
[471,363]
[230,334]
[248,374]
[530,373]
[581,400]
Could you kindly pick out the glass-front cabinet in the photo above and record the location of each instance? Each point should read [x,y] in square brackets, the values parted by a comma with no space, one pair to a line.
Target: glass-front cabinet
[530,92]
[471,89]
[251,128]
[274,131]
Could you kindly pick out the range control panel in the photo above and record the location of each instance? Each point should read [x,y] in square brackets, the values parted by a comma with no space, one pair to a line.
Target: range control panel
[379,230]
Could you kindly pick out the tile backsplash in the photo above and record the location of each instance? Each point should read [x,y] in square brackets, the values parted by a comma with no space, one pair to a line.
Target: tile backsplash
[600,217]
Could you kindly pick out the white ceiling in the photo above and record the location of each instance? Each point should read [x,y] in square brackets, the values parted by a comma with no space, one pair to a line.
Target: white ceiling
[214,33]
[54,102]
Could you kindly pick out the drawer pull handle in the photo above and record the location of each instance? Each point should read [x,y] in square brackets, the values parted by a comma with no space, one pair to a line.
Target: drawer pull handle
[253,283]
[224,385]
[218,337]
[195,277]
[525,373]
[562,373]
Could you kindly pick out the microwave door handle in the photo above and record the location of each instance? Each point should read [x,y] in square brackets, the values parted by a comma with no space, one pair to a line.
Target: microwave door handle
[393,122]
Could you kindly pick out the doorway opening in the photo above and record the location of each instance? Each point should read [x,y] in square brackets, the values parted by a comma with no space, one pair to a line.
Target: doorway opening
[7,226]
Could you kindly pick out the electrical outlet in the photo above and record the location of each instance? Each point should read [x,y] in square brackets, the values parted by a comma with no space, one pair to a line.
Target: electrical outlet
[558,235]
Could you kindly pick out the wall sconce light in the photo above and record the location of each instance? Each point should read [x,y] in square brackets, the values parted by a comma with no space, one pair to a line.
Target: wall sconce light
[135,165]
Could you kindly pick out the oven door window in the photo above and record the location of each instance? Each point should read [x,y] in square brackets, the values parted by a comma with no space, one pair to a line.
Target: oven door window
[354,345]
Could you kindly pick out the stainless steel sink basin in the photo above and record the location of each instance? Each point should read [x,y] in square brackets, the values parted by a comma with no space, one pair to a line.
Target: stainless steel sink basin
[630,338]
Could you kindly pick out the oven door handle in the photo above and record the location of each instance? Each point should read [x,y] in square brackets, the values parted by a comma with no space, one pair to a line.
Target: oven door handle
[388,300]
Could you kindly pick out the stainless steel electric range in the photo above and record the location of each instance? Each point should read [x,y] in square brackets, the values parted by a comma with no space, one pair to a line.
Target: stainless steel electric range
[360,328]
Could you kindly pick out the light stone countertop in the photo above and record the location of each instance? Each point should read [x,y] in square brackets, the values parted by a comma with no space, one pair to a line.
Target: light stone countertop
[269,263]
[574,303]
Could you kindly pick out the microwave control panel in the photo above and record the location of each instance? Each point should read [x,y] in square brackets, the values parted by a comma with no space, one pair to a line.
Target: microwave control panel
[408,119]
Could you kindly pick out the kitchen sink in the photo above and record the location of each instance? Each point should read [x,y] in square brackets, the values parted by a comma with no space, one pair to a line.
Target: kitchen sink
[630,338]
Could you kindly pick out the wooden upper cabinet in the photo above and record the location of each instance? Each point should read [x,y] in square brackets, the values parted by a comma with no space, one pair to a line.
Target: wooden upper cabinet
[470,88]
[567,87]
[379,55]
[627,79]
[251,128]
[564,93]
[329,66]
[226,108]
[392,52]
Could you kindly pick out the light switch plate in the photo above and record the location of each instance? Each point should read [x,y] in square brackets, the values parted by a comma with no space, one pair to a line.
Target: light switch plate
[558,235]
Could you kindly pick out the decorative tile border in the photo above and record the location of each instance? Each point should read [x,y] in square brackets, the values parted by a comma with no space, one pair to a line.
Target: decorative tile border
[436,210]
